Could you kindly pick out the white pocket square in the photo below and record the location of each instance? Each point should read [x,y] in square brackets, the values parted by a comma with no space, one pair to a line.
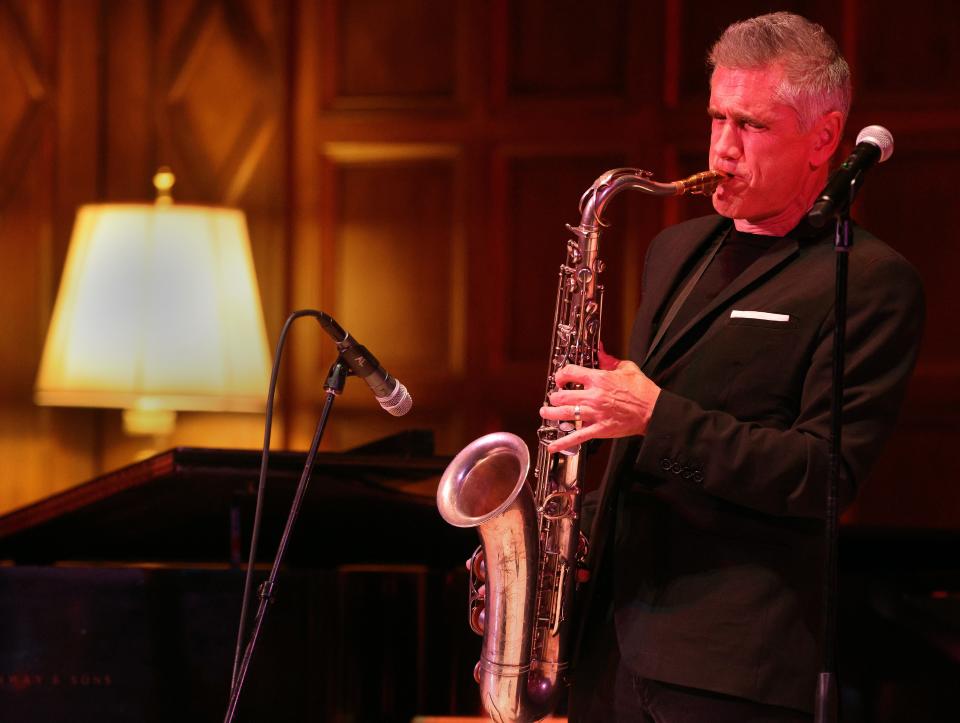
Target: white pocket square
[765,315]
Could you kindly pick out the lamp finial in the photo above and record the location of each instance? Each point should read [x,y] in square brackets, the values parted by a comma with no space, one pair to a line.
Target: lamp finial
[163,181]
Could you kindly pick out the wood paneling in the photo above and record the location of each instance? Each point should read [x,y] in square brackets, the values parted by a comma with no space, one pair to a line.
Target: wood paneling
[400,54]
[27,134]
[563,49]
[25,76]
[909,53]
[42,450]
[919,234]
[399,269]
[220,83]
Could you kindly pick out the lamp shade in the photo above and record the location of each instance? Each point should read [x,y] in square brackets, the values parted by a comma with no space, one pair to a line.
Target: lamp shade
[158,309]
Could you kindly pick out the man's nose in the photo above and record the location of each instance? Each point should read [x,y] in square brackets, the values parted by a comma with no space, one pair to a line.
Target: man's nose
[727,142]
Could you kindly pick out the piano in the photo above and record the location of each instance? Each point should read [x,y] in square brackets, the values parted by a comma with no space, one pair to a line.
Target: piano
[120,598]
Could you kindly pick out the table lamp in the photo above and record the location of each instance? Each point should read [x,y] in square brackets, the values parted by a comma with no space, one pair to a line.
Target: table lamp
[158,311]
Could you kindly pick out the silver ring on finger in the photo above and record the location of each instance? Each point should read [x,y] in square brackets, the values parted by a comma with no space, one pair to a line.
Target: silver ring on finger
[576,413]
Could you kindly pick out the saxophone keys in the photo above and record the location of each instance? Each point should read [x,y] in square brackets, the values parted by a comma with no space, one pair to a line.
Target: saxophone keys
[478,566]
[478,617]
[559,583]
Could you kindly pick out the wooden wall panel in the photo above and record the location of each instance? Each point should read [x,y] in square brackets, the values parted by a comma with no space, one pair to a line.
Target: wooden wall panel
[25,76]
[394,54]
[220,88]
[908,54]
[129,159]
[917,231]
[27,134]
[561,52]
[394,251]
[46,138]
[563,49]
[912,484]
[398,267]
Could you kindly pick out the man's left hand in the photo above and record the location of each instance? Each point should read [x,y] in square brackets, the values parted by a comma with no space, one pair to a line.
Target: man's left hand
[616,400]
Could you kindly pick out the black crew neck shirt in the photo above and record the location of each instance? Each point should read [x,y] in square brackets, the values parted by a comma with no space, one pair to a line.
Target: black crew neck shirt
[737,252]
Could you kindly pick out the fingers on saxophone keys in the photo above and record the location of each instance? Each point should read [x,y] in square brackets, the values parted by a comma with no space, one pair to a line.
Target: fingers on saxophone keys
[569,441]
[566,398]
[564,413]
[571,373]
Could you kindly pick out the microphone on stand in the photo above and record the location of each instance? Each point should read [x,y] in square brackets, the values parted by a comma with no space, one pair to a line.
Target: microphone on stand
[390,393]
[874,145]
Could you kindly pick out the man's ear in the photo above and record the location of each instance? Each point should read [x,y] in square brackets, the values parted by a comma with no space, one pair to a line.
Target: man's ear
[826,138]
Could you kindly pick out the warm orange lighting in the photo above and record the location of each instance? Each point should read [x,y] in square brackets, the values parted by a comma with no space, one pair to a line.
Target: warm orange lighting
[158,311]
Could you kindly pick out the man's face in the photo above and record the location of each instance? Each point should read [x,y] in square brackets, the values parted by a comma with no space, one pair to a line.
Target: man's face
[756,139]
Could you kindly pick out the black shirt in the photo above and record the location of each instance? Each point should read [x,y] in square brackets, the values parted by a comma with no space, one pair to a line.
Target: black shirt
[737,252]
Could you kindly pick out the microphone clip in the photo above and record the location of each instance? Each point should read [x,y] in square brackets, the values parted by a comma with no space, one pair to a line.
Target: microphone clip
[337,376]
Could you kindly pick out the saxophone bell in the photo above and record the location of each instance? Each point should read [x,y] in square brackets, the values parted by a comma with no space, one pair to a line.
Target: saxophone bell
[485,486]
[483,479]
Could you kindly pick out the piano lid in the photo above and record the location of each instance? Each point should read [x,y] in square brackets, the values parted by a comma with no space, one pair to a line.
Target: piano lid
[180,506]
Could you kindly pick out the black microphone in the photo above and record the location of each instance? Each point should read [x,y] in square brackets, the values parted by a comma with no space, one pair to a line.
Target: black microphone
[874,144]
[391,394]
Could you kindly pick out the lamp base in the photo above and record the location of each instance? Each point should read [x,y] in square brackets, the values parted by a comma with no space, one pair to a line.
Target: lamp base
[156,422]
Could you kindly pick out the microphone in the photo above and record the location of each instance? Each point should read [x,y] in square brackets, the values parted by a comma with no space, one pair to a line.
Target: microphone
[390,393]
[874,145]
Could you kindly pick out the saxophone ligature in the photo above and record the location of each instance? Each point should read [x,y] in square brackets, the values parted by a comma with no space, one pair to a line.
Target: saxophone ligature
[522,577]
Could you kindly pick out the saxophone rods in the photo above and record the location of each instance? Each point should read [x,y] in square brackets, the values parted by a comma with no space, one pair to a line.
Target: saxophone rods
[530,534]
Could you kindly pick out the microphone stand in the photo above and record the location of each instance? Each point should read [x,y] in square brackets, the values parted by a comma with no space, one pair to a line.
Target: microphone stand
[336,379]
[826,706]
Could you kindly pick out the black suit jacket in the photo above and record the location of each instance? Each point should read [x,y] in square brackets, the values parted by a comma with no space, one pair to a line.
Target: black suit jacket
[711,525]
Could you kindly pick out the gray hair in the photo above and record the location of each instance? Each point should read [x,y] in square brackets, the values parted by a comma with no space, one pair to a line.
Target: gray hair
[816,78]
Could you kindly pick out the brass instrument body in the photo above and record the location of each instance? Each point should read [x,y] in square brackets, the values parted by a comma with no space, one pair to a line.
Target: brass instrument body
[523,575]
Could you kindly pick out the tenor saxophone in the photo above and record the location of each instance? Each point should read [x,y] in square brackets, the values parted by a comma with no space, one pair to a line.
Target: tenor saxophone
[523,574]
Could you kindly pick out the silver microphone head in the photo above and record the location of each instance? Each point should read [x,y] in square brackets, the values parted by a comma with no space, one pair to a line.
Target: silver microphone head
[880,137]
[398,402]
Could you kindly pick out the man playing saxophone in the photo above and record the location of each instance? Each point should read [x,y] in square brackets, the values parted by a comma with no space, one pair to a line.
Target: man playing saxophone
[707,530]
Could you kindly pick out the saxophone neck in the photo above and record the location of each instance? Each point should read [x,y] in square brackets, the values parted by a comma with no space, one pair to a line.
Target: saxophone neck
[595,199]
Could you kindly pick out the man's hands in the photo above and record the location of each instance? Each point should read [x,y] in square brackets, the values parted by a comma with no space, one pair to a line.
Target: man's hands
[617,400]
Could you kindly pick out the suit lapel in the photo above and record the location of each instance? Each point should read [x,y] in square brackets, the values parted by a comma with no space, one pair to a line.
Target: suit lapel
[662,281]
[763,266]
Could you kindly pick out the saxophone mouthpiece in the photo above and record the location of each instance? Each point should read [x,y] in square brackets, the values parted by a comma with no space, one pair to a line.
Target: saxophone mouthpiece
[702,184]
